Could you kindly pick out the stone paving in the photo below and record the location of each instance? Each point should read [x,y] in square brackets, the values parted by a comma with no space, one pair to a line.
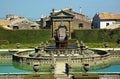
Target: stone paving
[60,68]
[60,71]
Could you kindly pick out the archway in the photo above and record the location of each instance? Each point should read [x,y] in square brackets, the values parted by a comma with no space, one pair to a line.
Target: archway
[15,27]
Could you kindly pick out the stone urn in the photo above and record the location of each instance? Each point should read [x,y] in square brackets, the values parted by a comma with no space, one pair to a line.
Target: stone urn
[36,67]
[86,67]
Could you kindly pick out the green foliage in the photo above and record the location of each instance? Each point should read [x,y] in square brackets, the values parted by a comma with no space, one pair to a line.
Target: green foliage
[25,36]
[93,38]
[97,35]
[4,42]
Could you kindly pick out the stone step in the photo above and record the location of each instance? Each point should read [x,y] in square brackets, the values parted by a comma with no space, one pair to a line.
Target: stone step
[60,68]
[61,76]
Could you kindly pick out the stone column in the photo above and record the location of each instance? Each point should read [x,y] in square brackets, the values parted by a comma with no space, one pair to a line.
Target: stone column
[65,54]
[69,60]
[53,60]
[53,24]
[70,28]
[72,52]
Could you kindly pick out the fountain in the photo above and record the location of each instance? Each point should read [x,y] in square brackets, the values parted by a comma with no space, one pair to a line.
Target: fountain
[61,36]
[75,54]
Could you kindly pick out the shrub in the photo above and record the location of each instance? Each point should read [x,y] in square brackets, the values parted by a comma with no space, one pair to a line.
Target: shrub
[97,35]
[25,36]
[4,42]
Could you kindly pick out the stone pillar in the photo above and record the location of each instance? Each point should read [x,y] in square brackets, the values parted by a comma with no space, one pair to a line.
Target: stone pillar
[66,51]
[69,60]
[72,52]
[58,53]
[53,27]
[70,30]
[53,60]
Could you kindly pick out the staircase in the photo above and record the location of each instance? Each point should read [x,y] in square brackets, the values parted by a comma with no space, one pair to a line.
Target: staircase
[60,71]
[61,76]
[60,68]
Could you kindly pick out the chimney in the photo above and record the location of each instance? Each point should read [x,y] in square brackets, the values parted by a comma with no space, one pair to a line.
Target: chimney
[80,10]
[53,10]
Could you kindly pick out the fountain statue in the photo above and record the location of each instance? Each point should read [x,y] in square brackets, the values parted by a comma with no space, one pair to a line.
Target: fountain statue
[60,49]
[61,36]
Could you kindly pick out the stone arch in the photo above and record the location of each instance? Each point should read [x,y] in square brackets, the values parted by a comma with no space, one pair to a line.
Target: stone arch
[15,27]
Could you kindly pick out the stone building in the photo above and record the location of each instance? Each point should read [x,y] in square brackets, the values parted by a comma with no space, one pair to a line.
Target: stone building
[3,22]
[10,17]
[70,18]
[17,22]
[106,20]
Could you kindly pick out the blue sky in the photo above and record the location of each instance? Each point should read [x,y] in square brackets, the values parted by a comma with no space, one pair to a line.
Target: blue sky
[34,9]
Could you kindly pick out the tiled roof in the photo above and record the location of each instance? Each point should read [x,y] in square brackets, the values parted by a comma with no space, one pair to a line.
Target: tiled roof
[3,22]
[108,15]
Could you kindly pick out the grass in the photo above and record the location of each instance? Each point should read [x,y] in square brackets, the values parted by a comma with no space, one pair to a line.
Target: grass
[101,45]
[86,76]
[22,46]
[44,68]
[39,76]
[33,45]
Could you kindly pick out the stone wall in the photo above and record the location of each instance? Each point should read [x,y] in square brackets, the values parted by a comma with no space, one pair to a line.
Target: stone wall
[21,76]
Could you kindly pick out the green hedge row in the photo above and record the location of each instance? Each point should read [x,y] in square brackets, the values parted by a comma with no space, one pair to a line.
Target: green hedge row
[36,36]
[25,36]
[97,35]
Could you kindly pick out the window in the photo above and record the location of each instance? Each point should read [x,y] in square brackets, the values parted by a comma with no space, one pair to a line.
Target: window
[15,27]
[107,24]
[33,27]
[80,25]
[8,25]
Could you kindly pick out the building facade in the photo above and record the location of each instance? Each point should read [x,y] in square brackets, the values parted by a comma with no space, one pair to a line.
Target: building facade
[71,19]
[105,19]
[18,22]
[22,23]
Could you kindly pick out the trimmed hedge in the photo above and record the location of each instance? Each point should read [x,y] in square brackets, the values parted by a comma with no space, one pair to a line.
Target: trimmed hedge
[36,36]
[97,35]
[25,36]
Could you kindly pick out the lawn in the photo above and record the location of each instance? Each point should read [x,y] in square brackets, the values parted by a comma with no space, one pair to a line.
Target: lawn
[33,45]
[22,46]
[101,45]
[39,76]
[86,76]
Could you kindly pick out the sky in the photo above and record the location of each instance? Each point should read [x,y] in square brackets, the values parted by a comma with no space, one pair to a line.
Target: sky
[34,9]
